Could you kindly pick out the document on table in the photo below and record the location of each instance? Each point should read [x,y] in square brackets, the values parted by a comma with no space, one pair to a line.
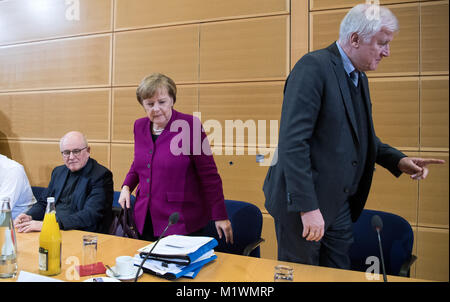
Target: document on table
[30,277]
[163,268]
[177,245]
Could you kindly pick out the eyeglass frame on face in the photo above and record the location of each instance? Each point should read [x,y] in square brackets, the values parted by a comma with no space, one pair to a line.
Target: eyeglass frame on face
[75,152]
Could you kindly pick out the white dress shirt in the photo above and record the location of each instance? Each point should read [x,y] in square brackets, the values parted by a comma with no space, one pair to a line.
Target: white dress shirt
[15,185]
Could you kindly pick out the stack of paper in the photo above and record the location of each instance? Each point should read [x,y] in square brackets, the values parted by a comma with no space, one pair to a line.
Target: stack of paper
[177,256]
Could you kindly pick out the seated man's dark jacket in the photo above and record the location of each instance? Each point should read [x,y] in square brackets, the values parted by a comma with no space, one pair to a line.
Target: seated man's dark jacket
[92,198]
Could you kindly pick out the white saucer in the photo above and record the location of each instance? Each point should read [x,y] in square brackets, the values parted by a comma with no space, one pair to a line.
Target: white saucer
[125,277]
[101,279]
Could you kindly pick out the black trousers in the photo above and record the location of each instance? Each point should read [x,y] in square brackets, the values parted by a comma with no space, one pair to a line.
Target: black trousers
[331,251]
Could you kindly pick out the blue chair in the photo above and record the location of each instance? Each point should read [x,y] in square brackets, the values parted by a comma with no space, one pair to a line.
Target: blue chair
[397,240]
[38,192]
[116,206]
[116,200]
[246,221]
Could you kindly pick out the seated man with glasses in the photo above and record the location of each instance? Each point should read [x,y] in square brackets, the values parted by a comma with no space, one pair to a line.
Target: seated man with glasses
[83,190]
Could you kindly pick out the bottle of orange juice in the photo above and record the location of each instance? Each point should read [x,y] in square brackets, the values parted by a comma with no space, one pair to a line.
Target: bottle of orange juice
[50,242]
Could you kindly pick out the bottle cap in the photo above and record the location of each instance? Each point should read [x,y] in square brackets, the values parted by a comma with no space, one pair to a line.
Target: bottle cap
[50,199]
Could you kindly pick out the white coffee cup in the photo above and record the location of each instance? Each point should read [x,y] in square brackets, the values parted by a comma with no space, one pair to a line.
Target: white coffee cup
[124,265]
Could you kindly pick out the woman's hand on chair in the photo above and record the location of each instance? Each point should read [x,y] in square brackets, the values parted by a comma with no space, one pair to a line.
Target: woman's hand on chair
[224,227]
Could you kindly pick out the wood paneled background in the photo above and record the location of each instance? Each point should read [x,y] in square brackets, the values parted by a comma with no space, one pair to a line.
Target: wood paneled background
[75,65]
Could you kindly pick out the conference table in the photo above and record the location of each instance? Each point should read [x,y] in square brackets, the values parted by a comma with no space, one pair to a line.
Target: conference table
[226,268]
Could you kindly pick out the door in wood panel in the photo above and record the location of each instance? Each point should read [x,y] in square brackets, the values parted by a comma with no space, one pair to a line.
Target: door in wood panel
[434,37]
[51,114]
[253,49]
[242,176]
[395,110]
[40,158]
[331,4]
[126,109]
[244,114]
[432,254]
[172,51]
[433,193]
[394,195]
[66,63]
[434,113]
[121,160]
[27,20]
[404,48]
[144,13]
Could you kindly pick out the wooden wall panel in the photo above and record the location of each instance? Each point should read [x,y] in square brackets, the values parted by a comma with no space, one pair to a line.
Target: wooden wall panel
[172,51]
[324,28]
[432,253]
[244,102]
[433,208]
[121,160]
[68,63]
[40,158]
[59,112]
[126,109]
[144,13]
[395,110]
[412,271]
[395,195]
[244,50]
[434,103]
[434,37]
[299,30]
[242,176]
[28,20]
[404,58]
[269,247]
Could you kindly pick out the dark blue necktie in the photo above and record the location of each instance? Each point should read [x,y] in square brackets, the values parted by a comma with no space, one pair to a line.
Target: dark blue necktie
[354,77]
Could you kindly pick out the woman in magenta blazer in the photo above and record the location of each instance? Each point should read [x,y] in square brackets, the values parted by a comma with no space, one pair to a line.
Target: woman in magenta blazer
[173,168]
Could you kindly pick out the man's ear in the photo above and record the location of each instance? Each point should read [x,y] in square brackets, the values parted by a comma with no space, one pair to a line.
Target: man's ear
[355,40]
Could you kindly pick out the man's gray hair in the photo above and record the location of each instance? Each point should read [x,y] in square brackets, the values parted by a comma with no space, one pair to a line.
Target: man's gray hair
[366,20]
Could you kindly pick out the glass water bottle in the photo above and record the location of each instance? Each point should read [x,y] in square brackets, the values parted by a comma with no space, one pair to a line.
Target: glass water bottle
[8,244]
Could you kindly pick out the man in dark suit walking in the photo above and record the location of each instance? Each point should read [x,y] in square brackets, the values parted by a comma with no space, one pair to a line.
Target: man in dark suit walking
[327,145]
[83,191]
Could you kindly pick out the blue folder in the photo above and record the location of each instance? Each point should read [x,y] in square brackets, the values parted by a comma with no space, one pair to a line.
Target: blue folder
[183,259]
[194,267]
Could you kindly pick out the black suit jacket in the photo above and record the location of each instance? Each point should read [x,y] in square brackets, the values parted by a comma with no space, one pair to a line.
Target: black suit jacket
[92,198]
[318,142]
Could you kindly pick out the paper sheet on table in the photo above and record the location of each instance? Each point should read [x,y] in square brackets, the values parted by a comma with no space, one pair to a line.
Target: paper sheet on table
[177,244]
[31,277]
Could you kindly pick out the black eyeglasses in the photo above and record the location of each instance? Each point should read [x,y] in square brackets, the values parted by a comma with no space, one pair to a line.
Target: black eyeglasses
[75,152]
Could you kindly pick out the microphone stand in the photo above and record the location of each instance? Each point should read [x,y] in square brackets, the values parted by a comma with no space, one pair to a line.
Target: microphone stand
[381,253]
[172,220]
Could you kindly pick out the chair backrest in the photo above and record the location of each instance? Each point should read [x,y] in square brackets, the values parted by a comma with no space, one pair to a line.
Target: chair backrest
[397,240]
[38,192]
[116,200]
[246,221]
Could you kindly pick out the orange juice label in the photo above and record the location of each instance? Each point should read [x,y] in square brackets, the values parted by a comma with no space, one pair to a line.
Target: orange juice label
[43,259]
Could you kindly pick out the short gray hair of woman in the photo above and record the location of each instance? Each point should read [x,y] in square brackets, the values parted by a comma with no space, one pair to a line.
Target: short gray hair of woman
[366,20]
[152,83]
